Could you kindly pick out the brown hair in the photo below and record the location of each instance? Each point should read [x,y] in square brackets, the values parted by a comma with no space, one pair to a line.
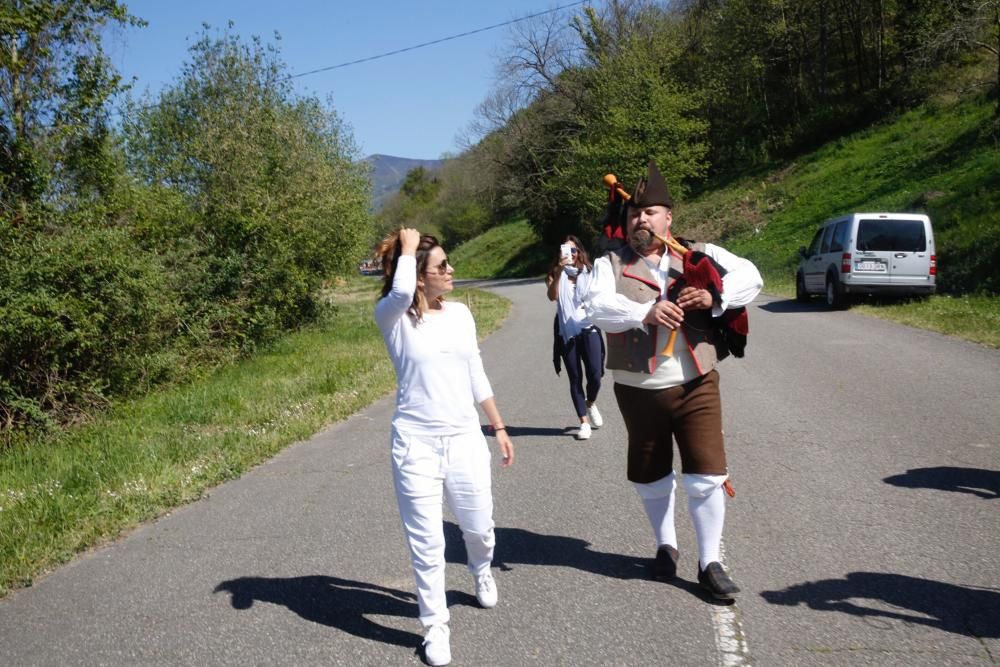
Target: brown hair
[581,254]
[388,253]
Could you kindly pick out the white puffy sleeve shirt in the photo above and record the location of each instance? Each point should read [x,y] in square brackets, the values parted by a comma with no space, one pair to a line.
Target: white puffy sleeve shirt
[615,313]
[439,370]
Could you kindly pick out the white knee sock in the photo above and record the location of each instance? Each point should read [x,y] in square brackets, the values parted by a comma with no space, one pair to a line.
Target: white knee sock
[658,501]
[707,505]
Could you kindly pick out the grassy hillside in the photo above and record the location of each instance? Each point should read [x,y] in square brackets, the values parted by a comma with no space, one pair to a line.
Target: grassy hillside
[940,159]
[512,250]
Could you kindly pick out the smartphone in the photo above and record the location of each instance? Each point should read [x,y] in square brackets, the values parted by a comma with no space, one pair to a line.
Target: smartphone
[566,251]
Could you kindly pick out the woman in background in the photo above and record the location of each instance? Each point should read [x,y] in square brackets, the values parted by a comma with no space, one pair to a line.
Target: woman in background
[577,342]
[438,447]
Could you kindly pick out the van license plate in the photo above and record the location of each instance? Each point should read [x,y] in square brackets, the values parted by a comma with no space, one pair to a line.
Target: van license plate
[872,267]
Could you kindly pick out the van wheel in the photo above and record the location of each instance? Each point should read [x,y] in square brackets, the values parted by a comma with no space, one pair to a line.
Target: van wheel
[835,299]
[801,295]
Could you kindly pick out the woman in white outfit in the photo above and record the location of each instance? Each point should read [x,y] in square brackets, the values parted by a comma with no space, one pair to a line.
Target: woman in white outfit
[578,342]
[438,448]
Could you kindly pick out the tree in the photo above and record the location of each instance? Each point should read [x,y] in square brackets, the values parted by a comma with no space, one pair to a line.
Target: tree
[635,111]
[278,201]
[974,25]
[420,185]
[54,85]
[705,87]
[606,102]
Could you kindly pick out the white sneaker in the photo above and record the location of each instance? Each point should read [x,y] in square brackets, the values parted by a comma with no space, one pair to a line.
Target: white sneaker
[596,420]
[584,432]
[437,645]
[486,591]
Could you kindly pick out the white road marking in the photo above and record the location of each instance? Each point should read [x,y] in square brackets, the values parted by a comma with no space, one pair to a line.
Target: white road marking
[730,641]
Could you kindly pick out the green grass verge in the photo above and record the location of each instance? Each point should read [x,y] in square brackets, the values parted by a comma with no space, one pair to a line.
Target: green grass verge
[974,318]
[82,486]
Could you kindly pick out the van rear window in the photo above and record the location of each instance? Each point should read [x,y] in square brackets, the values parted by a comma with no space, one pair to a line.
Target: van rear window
[899,235]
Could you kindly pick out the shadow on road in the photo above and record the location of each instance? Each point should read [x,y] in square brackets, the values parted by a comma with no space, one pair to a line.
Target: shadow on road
[976,481]
[338,603]
[817,305]
[516,546]
[961,610]
[793,306]
[345,604]
[524,431]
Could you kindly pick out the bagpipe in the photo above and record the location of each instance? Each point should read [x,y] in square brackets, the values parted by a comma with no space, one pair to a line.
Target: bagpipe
[700,271]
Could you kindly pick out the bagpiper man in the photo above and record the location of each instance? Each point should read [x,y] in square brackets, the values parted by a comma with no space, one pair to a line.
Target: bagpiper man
[665,383]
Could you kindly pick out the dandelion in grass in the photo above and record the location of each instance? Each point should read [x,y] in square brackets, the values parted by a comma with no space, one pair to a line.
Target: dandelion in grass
[130,488]
[15,496]
[135,487]
[196,471]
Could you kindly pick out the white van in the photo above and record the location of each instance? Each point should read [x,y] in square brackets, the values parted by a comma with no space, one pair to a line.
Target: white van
[868,253]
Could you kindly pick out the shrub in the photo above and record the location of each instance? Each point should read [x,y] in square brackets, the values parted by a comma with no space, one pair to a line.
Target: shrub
[83,314]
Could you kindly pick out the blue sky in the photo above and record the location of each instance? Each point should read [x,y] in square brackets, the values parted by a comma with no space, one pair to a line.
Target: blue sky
[409,105]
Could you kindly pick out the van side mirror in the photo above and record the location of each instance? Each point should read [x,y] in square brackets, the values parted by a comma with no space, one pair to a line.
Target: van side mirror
[802,252]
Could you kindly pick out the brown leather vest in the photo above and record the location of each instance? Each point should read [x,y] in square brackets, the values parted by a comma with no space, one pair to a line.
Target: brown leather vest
[635,350]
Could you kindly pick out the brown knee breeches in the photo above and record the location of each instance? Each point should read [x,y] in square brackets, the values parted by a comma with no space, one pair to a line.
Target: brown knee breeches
[690,413]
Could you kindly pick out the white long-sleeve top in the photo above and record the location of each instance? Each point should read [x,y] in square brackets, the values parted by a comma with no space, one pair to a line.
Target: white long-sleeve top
[570,309]
[615,313]
[439,370]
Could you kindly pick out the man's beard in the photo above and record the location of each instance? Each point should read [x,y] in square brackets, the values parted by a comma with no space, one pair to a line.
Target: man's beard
[641,240]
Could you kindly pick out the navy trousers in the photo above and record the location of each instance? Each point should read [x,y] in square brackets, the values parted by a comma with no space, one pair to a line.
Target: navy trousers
[583,356]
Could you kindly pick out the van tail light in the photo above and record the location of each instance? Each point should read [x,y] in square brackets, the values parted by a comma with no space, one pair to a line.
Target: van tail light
[845,263]
[933,271]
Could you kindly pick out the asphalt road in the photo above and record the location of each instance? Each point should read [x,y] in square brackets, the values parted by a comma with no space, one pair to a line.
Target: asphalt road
[866,459]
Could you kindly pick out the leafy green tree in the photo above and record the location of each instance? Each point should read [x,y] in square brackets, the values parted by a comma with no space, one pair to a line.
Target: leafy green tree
[705,87]
[411,206]
[780,76]
[610,109]
[973,26]
[635,111]
[463,207]
[278,201]
[420,186]
[54,85]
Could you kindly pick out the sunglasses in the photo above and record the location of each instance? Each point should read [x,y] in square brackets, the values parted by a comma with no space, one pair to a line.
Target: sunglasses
[440,269]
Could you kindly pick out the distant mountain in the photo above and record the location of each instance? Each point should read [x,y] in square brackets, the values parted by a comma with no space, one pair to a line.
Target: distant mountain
[388,173]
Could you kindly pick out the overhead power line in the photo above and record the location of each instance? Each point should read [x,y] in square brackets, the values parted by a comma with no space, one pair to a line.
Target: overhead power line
[436,41]
[120,112]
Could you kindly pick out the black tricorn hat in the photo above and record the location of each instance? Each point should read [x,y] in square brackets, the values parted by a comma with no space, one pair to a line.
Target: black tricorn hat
[652,190]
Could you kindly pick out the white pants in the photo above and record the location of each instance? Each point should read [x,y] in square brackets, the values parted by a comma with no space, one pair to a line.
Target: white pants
[426,469]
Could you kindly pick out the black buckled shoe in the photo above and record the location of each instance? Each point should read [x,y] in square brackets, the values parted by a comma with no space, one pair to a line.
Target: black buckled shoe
[715,580]
[665,565]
